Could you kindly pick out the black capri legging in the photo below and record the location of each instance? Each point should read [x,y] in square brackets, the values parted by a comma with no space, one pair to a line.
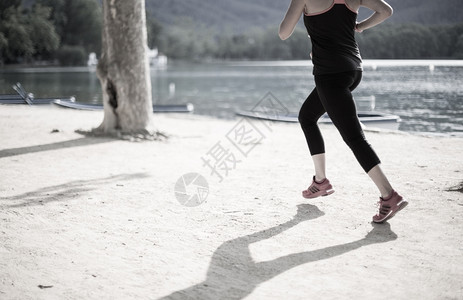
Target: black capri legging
[332,94]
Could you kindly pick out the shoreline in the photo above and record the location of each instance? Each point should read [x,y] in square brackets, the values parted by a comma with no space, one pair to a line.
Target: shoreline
[236,117]
[437,62]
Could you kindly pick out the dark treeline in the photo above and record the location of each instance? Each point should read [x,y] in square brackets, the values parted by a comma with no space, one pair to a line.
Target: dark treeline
[392,41]
[410,41]
[241,15]
[65,32]
[49,30]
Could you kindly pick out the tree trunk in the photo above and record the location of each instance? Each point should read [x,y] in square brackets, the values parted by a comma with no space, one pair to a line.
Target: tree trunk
[123,68]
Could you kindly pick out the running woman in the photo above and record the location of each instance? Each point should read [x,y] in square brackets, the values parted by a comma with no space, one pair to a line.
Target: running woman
[337,69]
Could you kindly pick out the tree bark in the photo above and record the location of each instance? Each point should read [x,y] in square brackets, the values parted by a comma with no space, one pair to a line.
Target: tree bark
[123,68]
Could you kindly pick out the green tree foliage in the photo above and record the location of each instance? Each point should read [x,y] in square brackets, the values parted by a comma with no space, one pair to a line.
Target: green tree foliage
[241,15]
[5,4]
[44,38]
[37,31]
[154,30]
[25,34]
[459,47]
[17,43]
[78,22]
[71,55]
[75,26]
[187,40]
[412,41]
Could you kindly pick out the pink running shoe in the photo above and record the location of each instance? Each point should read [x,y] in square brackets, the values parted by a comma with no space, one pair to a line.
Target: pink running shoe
[389,207]
[317,189]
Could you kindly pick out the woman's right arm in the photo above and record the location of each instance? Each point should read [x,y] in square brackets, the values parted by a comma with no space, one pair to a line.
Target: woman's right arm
[381,9]
[291,18]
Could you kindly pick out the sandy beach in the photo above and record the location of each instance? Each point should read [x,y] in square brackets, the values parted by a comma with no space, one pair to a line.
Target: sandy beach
[98,218]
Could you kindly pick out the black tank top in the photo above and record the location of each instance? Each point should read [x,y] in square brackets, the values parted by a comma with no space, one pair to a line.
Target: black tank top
[332,33]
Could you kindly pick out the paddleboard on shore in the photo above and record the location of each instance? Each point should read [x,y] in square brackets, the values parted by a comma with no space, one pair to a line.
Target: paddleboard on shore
[369,119]
[174,108]
[23,97]
[32,101]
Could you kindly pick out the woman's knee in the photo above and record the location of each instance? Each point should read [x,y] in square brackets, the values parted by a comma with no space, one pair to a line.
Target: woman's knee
[307,119]
[356,142]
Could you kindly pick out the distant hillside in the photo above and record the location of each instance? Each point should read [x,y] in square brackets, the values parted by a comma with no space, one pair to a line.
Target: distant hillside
[234,15]
[428,12]
[240,15]
[246,29]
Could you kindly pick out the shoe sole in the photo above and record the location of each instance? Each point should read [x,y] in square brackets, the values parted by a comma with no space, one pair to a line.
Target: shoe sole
[402,204]
[327,193]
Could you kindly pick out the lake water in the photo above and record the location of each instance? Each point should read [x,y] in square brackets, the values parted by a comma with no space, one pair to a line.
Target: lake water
[426,94]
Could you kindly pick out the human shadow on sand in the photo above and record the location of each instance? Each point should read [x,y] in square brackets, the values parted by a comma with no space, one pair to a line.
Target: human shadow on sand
[66,191]
[233,274]
[84,141]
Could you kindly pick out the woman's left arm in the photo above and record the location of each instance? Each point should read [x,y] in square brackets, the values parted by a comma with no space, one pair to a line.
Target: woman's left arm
[291,18]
